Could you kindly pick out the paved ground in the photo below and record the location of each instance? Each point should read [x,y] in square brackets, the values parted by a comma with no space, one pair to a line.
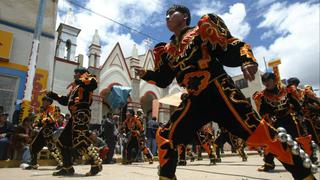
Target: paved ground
[232,168]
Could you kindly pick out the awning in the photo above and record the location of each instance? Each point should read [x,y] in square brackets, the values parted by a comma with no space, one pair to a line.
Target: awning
[172,99]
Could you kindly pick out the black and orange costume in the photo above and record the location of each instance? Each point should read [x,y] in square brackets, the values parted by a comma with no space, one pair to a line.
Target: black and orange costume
[280,109]
[196,60]
[183,151]
[46,122]
[133,128]
[307,117]
[74,140]
[204,139]
[311,113]
[235,142]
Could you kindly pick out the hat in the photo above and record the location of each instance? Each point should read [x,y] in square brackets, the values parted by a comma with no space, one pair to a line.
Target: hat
[268,76]
[293,81]
[80,70]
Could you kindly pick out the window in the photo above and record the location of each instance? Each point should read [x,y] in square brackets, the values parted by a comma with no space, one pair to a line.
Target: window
[8,93]
[68,50]
[242,83]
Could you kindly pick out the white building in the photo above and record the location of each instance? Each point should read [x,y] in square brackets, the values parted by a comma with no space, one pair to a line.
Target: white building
[249,88]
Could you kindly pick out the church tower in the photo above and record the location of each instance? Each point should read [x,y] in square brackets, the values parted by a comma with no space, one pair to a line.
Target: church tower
[67,38]
[95,51]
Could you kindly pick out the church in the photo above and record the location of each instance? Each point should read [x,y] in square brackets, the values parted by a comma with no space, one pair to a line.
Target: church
[116,70]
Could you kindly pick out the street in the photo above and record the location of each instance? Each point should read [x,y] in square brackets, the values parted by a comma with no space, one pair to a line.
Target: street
[231,168]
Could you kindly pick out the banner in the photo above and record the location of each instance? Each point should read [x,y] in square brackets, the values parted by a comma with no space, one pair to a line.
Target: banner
[6,39]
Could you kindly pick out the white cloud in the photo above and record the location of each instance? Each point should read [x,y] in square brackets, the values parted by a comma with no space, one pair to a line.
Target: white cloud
[235,21]
[64,6]
[126,43]
[263,3]
[298,46]
[267,34]
[207,6]
[132,13]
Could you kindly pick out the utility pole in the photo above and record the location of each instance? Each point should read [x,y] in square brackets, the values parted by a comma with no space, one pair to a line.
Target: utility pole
[265,63]
[33,57]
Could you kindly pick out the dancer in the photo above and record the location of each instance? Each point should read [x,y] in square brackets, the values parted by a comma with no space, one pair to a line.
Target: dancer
[204,139]
[133,128]
[236,143]
[74,140]
[47,124]
[195,57]
[279,107]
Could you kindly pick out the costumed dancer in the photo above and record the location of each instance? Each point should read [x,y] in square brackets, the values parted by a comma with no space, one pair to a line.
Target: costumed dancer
[307,101]
[278,106]
[74,140]
[311,113]
[46,122]
[195,57]
[204,139]
[235,143]
[133,128]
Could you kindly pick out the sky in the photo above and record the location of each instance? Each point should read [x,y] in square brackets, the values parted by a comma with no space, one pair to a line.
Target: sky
[276,29]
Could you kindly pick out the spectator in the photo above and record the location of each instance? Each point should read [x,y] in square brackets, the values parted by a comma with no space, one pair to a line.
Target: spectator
[6,129]
[109,133]
[100,144]
[16,113]
[152,126]
[60,124]
[21,140]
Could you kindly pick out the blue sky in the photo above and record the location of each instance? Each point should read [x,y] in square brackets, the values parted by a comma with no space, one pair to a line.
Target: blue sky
[288,30]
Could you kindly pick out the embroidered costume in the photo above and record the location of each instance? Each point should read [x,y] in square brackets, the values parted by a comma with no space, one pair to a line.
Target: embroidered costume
[195,59]
[133,128]
[46,122]
[74,141]
[236,143]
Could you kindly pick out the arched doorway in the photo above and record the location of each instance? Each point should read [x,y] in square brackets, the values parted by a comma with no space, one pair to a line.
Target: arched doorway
[146,103]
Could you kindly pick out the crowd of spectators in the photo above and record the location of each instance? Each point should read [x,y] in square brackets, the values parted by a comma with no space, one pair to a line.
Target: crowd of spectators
[15,138]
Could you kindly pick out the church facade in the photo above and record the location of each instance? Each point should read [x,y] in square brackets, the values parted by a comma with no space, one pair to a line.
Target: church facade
[116,70]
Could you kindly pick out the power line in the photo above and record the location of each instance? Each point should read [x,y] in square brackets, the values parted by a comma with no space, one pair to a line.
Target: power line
[112,20]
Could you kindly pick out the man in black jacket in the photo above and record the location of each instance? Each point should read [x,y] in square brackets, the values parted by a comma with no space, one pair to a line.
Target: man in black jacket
[109,134]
